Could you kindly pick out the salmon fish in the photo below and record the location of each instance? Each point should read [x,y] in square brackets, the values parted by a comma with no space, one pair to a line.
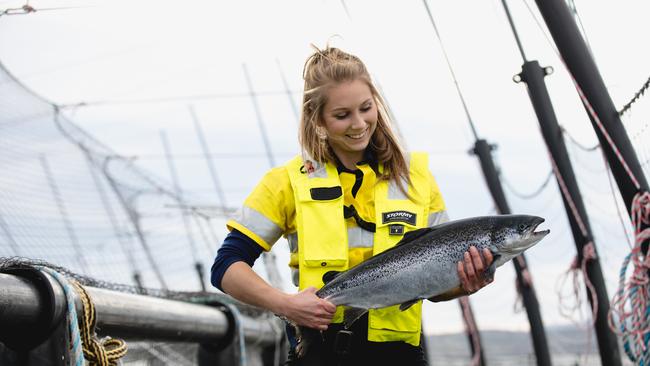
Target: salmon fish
[422,265]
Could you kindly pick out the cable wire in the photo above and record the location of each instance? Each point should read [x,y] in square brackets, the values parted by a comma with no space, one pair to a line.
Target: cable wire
[451,70]
[636,97]
[533,194]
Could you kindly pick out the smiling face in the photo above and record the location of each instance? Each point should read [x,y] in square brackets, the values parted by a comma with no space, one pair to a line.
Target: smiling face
[350,119]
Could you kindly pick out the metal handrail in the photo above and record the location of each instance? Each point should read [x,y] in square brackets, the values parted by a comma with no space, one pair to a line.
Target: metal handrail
[131,316]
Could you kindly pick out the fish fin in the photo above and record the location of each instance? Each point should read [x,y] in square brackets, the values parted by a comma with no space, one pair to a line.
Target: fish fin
[412,235]
[450,294]
[328,276]
[351,314]
[408,304]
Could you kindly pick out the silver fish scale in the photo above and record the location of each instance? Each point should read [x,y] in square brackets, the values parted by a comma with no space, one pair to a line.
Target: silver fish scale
[424,266]
[412,265]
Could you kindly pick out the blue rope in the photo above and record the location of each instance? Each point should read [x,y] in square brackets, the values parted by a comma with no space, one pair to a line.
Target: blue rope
[73,324]
[631,347]
[239,341]
[627,347]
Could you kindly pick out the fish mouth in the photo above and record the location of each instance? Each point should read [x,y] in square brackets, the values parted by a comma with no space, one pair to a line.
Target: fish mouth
[538,235]
[533,237]
[528,239]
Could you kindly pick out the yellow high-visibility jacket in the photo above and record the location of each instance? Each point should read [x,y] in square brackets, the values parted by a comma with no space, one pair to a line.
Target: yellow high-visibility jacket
[307,207]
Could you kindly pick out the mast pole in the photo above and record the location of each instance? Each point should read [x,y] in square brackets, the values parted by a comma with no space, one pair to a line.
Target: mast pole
[533,75]
[483,151]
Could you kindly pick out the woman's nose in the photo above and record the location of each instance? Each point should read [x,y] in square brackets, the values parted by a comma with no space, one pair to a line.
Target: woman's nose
[358,121]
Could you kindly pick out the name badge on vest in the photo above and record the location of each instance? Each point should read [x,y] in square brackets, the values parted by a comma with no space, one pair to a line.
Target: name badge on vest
[398,216]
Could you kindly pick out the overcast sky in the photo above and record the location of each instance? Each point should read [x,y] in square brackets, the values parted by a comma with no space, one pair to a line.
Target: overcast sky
[139,65]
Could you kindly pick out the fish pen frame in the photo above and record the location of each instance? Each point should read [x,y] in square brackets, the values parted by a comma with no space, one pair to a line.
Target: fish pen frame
[33,310]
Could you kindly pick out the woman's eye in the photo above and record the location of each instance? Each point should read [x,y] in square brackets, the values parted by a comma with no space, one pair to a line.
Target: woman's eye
[341,116]
[366,108]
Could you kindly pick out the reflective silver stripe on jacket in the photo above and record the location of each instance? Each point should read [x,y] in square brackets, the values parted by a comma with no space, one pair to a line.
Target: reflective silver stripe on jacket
[437,218]
[360,238]
[357,238]
[394,193]
[259,224]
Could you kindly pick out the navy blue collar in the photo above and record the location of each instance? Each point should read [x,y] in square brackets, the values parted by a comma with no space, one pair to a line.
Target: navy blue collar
[369,157]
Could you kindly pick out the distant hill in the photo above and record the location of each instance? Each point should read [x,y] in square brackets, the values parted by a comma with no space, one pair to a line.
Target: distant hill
[568,345]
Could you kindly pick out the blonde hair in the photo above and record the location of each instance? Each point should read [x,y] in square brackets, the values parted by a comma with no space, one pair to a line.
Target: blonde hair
[332,66]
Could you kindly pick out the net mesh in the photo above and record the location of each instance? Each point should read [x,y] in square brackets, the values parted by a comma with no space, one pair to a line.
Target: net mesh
[70,203]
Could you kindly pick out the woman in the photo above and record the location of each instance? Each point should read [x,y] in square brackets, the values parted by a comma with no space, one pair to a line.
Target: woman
[352,194]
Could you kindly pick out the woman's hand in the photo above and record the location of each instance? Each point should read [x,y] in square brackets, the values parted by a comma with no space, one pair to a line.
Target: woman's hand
[471,270]
[307,309]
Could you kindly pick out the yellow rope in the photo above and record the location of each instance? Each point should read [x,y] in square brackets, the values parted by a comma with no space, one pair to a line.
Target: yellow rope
[97,352]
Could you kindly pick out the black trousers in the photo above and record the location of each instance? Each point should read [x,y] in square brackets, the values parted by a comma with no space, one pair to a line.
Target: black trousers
[360,352]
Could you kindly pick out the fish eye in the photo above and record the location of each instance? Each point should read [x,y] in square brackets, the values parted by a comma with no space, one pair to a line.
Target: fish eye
[522,227]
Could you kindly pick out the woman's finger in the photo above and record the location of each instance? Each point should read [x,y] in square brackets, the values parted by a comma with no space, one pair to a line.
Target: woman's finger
[487,254]
[477,261]
[469,268]
[464,281]
[329,307]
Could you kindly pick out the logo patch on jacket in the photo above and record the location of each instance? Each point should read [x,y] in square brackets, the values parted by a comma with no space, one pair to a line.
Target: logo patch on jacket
[398,216]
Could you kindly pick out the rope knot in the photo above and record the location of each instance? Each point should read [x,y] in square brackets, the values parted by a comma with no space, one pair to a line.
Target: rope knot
[95,353]
[105,352]
[639,276]
[640,218]
[630,309]
[641,212]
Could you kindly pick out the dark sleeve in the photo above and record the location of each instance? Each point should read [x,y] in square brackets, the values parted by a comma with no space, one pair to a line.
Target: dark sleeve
[236,247]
